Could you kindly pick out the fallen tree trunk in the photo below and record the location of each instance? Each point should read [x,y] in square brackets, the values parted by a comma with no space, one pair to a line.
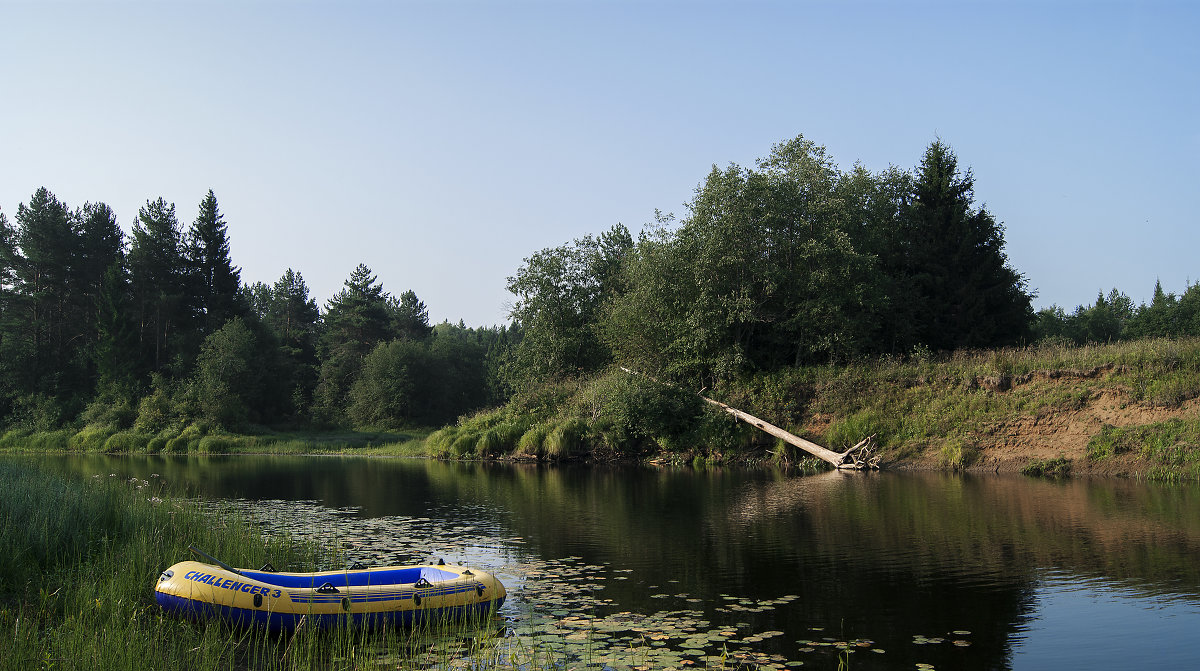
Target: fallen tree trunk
[859,457]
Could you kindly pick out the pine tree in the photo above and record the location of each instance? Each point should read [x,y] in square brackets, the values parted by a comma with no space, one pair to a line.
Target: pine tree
[159,284]
[101,252]
[356,320]
[50,247]
[410,317]
[11,352]
[292,313]
[216,282]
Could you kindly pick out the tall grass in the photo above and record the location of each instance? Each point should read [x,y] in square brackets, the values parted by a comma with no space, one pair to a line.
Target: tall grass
[81,560]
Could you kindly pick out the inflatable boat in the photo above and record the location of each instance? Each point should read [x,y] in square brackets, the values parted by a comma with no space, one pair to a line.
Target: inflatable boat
[372,597]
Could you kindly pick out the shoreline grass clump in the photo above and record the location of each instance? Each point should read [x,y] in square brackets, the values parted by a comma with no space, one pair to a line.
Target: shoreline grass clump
[1058,467]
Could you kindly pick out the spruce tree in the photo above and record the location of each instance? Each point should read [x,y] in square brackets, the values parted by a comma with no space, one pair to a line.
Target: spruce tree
[961,291]
[215,281]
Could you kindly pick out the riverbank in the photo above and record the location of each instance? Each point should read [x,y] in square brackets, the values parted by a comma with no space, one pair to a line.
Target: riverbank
[1128,409]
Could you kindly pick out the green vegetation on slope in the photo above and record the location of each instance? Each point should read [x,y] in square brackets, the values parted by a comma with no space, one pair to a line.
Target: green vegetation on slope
[939,410]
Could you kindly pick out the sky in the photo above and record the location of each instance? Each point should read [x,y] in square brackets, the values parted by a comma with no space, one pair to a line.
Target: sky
[441,143]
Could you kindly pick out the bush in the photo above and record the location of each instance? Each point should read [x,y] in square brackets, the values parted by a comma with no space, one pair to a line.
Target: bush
[629,409]
[91,438]
[124,442]
[36,412]
[215,445]
[957,455]
[465,444]
[533,442]
[502,438]
[154,410]
[859,425]
[1048,468]
[440,442]
[111,410]
[566,438]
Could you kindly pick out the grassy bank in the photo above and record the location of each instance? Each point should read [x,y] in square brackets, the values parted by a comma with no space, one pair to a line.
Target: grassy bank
[1126,409]
[201,438]
[77,576]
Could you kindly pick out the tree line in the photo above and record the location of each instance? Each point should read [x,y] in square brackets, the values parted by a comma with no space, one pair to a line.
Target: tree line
[1114,317]
[155,330]
[790,262]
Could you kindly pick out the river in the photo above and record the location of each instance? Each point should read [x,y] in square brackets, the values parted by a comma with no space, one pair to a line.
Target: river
[638,566]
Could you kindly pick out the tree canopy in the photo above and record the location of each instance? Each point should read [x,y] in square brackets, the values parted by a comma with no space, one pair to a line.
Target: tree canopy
[786,263]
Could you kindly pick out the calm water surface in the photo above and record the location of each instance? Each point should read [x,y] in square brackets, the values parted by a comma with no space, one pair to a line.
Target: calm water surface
[955,572]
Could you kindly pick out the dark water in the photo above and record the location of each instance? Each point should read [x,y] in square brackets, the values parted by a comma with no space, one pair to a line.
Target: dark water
[951,572]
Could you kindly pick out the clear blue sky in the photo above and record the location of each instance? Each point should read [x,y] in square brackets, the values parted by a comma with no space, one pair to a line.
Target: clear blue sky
[441,143]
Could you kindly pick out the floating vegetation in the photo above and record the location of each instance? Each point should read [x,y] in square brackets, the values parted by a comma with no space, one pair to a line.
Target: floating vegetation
[557,614]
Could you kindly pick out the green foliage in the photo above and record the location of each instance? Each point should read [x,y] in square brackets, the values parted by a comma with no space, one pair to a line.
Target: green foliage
[1059,467]
[559,294]
[502,439]
[1171,448]
[956,455]
[393,386]
[439,443]
[157,444]
[532,443]
[214,445]
[155,410]
[357,319]
[36,412]
[635,409]
[566,438]
[871,421]
[127,442]
[91,439]
[111,409]
[229,375]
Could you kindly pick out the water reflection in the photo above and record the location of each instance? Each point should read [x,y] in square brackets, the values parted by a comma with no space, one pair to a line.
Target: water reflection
[903,562]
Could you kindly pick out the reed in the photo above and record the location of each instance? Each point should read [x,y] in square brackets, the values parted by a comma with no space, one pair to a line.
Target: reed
[81,560]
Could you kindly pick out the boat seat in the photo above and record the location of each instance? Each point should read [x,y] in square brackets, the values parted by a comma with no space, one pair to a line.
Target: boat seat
[400,576]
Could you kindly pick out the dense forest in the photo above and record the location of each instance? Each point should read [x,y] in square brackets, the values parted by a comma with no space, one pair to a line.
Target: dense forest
[789,263]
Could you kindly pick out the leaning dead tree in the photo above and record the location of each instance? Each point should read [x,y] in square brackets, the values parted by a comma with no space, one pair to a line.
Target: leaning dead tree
[860,457]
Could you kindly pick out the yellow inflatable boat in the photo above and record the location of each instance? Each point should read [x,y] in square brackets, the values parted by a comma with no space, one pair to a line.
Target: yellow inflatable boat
[393,595]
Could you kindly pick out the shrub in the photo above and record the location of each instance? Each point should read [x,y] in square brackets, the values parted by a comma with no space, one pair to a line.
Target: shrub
[1059,467]
[91,438]
[154,410]
[465,444]
[123,442]
[214,445]
[566,438]
[501,438]
[859,425]
[957,455]
[440,442]
[533,442]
